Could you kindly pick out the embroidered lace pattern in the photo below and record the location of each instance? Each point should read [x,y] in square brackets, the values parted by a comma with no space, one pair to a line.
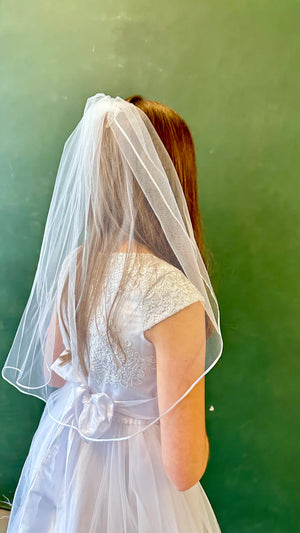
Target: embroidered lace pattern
[159,293]
[171,293]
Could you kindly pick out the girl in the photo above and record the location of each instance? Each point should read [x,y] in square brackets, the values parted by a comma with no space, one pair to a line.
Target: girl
[121,326]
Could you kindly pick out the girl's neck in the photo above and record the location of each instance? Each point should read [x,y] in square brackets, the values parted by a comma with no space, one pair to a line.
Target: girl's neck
[136,248]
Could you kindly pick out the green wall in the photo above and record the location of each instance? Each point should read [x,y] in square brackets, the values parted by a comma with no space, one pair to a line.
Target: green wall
[231,69]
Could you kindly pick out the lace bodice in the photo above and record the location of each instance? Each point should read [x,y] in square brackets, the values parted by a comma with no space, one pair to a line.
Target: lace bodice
[159,291]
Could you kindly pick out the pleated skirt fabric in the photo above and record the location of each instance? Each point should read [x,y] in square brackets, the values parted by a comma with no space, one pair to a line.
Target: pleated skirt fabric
[71,485]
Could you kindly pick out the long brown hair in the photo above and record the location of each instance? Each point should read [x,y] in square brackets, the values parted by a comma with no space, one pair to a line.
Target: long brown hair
[177,138]
[104,222]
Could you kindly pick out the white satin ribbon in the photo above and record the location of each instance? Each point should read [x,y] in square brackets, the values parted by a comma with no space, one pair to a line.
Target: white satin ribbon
[93,411]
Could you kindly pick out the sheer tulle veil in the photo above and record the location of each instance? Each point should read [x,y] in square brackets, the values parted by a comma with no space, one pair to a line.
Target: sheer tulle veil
[114,174]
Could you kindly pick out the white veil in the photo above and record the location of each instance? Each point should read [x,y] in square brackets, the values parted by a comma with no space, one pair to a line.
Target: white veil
[114,170]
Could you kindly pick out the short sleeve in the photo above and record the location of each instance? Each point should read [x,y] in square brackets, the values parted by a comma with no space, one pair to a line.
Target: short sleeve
[170,293]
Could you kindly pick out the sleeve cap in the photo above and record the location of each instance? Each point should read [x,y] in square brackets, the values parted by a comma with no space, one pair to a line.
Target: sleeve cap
[171,293]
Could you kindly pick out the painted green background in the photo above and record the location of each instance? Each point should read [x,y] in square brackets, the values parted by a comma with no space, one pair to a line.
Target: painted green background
[231,69]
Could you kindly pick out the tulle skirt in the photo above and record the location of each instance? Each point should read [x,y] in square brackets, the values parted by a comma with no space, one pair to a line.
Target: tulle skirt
[71,485]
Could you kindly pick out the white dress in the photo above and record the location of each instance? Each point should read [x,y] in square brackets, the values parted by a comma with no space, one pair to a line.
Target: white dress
[69,484]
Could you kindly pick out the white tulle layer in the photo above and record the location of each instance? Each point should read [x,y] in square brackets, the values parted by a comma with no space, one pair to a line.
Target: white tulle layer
[70,485]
